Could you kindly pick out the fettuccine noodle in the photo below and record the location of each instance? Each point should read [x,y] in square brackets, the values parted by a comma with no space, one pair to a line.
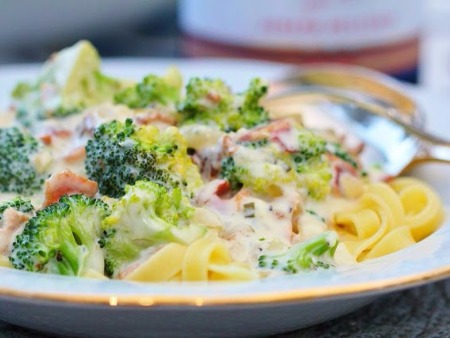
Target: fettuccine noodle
[205,259]
[389,217]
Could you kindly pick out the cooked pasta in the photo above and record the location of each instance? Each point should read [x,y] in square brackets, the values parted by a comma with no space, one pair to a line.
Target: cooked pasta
[389,217]
[205,259]
[152,182]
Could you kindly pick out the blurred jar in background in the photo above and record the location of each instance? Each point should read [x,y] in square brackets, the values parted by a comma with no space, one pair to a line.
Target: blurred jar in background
[379,34]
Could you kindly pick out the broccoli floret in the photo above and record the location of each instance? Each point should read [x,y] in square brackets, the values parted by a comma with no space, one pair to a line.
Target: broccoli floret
[18,173]
[258,144]
[69,82]
[315,177]
[310,146]
[18,204]
[121,154]
[258,165]
[207,98]
[251,111]
[62,238]
[261,177]
[265,165]
[232,173]
[152,90]
[237,175]
[313,169]
[147,214]
[315,253]
[211,101]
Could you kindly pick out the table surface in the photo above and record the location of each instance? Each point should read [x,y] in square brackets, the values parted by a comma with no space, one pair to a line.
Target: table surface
[419,312]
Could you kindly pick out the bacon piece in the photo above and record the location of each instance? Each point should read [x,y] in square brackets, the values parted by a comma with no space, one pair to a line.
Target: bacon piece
[75,155]
[228,146]
[61,133]
[46,139]
[222,188]
[267,130]
[156,117]
[386,178]
[67,183]
[212,190]
[13,220]
[339,168]
[213,97]
[278,138]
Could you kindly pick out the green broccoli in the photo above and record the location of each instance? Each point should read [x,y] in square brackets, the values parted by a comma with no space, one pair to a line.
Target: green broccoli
[121,154]
[263,177]
[69,82]
[62,238]
[263,166]
[153,89]
[315,253]
[237,175]
[211,101]
[17,203]
[257,144]
[146,215]
[18,170]
[232,173]
[310,146]
[315,176]
[251,111]
[313,169]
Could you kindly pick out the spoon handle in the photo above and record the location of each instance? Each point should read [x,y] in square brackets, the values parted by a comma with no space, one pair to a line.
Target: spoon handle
[434,148]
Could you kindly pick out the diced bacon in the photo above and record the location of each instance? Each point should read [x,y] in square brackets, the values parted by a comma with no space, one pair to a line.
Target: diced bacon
[213,97]
[228,146]
[267,130]
[222,188]
[357,149]
[61,133]
[212,191]
[387,178]
[46,139]
[280,139]
[67,183]
[339,168]
[75,155]
[13,221]
[156,117]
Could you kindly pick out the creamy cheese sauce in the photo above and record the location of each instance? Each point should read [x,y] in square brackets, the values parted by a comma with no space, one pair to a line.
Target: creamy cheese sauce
[250,224]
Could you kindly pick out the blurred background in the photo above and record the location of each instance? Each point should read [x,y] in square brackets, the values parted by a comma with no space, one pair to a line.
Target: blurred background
[409,39]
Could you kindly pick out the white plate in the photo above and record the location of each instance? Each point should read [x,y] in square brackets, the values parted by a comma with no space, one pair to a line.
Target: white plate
[66,305]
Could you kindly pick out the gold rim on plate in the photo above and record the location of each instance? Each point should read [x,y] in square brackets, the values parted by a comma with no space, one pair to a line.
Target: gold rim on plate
[382,286]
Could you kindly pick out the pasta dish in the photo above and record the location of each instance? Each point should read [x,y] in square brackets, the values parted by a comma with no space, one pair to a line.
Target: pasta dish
[158,181]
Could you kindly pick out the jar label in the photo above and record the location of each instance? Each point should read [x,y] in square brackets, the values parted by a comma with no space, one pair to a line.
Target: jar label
[302,24]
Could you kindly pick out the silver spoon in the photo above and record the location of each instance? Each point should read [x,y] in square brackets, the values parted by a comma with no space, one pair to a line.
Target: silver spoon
[370,105]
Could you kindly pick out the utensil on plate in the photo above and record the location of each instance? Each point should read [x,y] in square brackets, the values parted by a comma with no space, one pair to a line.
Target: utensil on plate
[374,106]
